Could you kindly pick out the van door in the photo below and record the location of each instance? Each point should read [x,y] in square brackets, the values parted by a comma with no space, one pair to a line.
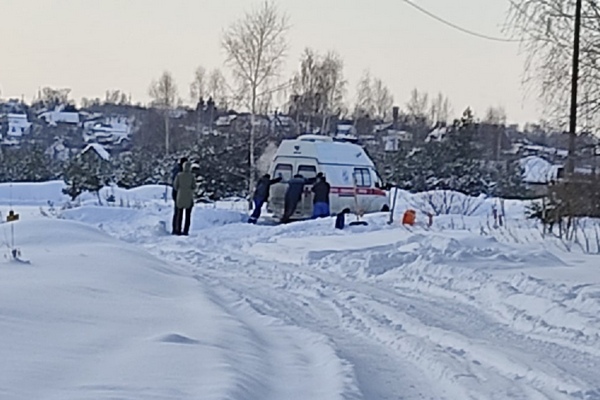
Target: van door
[309,172]
[277,194]
[363,182]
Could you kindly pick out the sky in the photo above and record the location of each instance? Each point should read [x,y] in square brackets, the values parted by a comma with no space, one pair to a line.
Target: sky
[91,46]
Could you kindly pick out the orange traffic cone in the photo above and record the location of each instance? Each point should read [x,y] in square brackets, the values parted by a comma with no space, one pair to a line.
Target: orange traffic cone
[409,217]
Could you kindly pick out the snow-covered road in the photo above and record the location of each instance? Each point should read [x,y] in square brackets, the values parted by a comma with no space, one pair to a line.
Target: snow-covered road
[410,314]
[301,311]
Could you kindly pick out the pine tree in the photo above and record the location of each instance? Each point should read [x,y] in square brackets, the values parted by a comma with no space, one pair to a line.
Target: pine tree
[86,173]
[451,164]
[509,181]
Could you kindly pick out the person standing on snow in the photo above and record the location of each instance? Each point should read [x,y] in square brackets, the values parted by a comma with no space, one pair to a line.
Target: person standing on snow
[177,168]
[321,191]
[185,186]
[261,195]
[293,195]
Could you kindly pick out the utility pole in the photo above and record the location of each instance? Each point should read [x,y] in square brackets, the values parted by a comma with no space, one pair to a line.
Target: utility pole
[574,82]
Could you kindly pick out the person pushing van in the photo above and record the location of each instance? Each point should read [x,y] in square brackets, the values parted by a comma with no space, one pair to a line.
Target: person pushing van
[261,195]
[293,195]
[321,191]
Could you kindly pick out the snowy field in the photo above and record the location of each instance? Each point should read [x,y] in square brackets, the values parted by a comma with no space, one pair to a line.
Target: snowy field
[111,307]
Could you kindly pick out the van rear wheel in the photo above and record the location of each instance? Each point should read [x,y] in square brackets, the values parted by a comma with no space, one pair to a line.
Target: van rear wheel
[385,208]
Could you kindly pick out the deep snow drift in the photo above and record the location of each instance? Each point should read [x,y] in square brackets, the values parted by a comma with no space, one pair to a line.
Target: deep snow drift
[96,318]
[461,310]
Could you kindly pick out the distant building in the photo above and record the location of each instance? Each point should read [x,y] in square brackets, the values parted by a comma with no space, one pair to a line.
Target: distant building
[394,140]
[108,131]
[17,125]
[98,150]
[437,135]
[61,114]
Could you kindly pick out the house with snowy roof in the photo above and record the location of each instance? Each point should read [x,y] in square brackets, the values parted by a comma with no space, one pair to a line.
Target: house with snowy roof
[109,131]
[96,150]
[60,115]
[16,126]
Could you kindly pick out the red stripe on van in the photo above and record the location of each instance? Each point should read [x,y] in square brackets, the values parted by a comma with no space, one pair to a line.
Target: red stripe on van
[349,191]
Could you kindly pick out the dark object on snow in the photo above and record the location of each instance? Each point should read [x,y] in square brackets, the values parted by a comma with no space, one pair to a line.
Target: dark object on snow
[261,195]
[340,220]
[293,195]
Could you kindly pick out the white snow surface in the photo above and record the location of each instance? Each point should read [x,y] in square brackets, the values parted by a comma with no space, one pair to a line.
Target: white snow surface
[538,170]
[113,307]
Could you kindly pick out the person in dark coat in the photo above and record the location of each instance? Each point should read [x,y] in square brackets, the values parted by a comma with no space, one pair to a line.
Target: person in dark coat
[177,168]
[185,185]
[321,191]
[261,195]
[293,195]
[340,221]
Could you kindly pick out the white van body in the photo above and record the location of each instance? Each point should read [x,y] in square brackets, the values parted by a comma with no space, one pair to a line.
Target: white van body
[342,163]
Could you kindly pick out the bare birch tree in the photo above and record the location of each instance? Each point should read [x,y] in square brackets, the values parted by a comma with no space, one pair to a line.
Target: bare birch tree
[319,86]
[495,116]
[165,97]
[305,85]
[440,110]
[418,105]
[198,85]
[546,29]
[373,98]
[256,47]
[217,88]
[364,97]
[383,100]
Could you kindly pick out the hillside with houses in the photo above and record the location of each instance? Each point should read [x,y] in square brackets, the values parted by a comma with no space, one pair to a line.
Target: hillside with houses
[48,136]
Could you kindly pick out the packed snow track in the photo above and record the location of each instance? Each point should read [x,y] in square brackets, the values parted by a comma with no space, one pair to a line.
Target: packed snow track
[406,314]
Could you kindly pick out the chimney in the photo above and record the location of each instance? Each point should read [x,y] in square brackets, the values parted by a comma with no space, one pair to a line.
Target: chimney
[395,111]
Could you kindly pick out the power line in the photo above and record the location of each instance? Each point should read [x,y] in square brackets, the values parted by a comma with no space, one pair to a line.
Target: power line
[460,28]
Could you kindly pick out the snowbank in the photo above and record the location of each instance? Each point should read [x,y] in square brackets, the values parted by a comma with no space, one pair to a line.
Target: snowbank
[447,202]
[134,224]
[95,318]
[32,193]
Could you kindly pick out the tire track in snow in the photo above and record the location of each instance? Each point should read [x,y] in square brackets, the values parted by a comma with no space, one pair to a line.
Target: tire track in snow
[455,343]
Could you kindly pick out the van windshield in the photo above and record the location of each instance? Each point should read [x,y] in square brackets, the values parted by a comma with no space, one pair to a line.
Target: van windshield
[308,171]
[283,170]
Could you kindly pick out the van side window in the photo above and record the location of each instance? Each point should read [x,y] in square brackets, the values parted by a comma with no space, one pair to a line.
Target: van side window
[362,177]
[285,170]
[308,171]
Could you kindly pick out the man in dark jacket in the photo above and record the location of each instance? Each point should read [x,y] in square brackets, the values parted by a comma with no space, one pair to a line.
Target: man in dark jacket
[321,191]
[261,195]
[177,168]
[293,195]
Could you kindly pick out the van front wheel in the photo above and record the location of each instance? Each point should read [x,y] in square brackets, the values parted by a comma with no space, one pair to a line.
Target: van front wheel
[385,208]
